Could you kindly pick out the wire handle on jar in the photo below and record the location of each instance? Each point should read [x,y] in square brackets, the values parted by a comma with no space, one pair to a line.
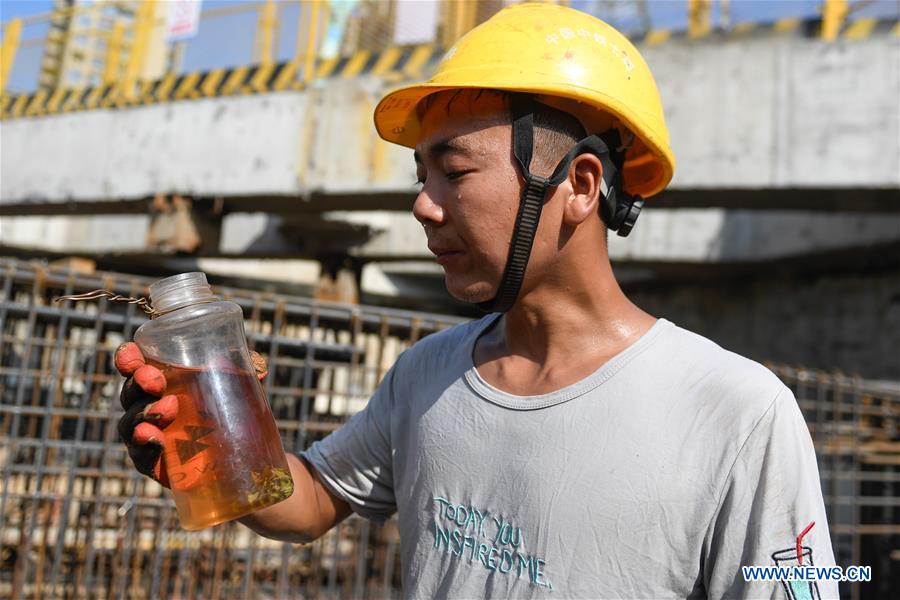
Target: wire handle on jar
[112,297]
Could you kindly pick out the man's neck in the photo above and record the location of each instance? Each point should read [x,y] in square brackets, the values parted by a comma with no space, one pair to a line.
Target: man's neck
[561,330]
[559,333]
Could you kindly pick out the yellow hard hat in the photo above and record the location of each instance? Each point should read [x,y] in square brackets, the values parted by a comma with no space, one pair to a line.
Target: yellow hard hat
[567,59]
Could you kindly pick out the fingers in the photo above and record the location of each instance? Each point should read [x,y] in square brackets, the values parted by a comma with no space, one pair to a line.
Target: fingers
[141,428]
[145,457]
[129,421]
[148,461]
[130,394]
[146,433]
[259,365]
[163,411]
[151,380]
[151,421]
[128,359]
[145,446]
[157,414]
[147,384]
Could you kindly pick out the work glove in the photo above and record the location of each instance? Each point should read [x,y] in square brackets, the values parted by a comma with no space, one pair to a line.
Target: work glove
[148,410]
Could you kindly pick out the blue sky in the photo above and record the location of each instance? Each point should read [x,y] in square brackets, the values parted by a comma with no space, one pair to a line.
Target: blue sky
[228,41]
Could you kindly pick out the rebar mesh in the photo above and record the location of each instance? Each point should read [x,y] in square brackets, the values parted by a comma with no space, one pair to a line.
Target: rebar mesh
[79,522]
[854,426]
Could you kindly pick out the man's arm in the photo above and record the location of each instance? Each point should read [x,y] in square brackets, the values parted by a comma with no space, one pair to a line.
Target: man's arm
[770,496]
[310,511]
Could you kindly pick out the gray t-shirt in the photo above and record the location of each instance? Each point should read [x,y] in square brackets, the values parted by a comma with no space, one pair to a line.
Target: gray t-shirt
[657,476]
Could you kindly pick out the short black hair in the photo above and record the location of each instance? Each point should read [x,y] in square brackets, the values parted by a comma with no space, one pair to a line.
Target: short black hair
[555,131]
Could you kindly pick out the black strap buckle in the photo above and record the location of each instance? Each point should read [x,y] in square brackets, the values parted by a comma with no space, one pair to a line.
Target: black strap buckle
[628,210]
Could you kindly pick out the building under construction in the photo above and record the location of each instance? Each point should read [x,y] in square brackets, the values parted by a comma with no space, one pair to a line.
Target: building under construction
[129,154]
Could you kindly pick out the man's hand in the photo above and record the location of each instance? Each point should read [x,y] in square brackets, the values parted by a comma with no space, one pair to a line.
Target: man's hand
[307,514]
[148,410]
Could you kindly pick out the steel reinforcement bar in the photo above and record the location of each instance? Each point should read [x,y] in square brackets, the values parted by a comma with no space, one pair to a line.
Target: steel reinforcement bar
[79,522]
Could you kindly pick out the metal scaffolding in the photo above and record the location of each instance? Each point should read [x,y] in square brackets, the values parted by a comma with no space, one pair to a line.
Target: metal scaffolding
[79,522]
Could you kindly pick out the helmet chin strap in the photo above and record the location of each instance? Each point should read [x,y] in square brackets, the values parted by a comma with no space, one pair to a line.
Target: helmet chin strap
[620,210]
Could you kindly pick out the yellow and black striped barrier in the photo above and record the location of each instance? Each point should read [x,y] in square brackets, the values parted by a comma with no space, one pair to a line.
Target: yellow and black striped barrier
[393,64]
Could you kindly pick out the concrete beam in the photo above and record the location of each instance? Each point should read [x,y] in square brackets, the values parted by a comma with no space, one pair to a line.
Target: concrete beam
[693,236]
[775,113]
[747,115]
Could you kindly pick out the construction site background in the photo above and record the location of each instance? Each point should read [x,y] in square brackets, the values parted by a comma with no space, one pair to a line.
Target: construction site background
[136,143]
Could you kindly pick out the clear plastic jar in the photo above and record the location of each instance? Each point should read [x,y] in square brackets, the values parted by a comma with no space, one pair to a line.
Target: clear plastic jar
[223,454]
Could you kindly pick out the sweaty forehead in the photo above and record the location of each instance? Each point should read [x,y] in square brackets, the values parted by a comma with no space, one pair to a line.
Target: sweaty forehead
[471,117]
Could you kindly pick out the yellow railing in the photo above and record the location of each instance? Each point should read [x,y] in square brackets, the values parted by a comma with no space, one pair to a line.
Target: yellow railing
[129,48]
[113,54]
[127,38]
[8,50]
[834,12]
[143,25]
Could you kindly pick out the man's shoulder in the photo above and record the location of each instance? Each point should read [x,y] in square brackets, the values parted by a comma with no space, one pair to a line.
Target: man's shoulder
[448,347]
[714,373]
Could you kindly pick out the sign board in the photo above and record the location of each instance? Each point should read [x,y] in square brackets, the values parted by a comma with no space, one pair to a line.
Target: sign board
[182,19]
[416,21]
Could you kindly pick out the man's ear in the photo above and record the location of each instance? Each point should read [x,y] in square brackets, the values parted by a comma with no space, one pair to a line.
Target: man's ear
[585,176]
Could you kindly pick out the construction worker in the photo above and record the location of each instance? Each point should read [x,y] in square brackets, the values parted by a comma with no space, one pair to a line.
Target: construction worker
[568,444]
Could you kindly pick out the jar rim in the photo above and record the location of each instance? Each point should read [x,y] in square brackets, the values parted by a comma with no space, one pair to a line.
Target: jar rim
[180,290]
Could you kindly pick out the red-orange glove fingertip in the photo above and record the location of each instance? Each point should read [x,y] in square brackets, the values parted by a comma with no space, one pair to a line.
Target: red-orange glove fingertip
[151,380]
[163,410]
[128,358]
[145,433]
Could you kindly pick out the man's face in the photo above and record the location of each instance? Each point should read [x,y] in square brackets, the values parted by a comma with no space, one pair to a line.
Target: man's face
[470,190]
